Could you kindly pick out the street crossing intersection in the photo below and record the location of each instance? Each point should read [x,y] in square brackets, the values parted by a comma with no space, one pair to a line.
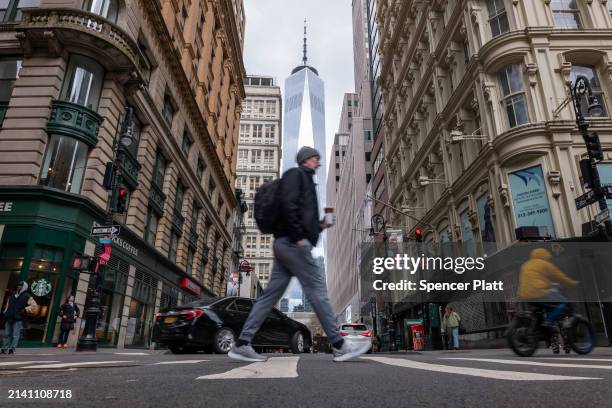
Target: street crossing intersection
[288,367]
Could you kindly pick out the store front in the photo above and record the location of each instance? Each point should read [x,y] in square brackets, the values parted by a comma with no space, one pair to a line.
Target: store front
[41,233]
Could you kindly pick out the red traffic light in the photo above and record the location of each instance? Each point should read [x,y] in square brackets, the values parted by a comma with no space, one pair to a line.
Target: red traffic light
[418,231]
[122,192]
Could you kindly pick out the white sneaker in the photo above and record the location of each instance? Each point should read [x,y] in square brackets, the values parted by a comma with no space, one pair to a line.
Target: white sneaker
[350,350]
[246,353]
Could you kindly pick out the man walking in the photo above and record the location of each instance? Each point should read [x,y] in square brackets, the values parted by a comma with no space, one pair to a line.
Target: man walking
[295,235]
[19,303]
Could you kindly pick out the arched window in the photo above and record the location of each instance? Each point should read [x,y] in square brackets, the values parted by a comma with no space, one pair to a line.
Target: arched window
[104,8]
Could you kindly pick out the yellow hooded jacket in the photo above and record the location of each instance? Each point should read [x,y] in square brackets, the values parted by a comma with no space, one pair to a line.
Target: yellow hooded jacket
[538,274]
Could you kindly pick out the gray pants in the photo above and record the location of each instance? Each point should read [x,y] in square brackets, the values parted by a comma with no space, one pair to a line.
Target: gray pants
[292,260]
[12,331]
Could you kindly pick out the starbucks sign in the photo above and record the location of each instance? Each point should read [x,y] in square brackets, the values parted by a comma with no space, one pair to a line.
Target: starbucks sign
[41,287]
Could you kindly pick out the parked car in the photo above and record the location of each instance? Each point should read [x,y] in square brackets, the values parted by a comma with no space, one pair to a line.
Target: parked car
[214,324]
[357,332]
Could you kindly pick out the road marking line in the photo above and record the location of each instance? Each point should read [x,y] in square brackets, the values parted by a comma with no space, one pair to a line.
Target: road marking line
[132,354]
[64,365]
[180,362]
[576,358]
[275,367]
[531,363]
[475,372]
[10,363]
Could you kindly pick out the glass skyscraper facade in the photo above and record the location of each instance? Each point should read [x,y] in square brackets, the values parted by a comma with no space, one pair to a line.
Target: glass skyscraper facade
[304,120]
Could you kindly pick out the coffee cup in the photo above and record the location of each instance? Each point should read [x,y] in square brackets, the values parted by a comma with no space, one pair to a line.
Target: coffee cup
[330,217]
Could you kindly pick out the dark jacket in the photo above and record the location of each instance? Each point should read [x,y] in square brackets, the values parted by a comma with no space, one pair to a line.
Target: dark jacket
[299,206]
[68,314]
[15,309]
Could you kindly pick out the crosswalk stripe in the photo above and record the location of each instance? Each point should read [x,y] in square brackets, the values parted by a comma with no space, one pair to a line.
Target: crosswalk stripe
[86,363]
[132,354]
[576,359]
[10,363]
[475,372]
[180,362]
[531,363]
[275,367]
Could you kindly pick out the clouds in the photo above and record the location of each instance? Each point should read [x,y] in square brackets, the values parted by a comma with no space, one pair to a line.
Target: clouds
[273,46]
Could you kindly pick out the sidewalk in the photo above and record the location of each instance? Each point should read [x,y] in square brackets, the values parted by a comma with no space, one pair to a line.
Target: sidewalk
[52,351]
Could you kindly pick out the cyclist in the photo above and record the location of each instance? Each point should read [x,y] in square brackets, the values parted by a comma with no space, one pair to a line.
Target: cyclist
[536,280]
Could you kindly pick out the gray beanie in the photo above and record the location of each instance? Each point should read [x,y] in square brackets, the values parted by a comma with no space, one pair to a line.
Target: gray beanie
[306,153]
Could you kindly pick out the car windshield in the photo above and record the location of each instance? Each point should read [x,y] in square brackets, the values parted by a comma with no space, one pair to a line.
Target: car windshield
[354,328]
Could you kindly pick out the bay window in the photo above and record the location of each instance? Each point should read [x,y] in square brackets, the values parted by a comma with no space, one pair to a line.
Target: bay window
[104,8]
[513,95]
[566,13]
[64,164]
[83,83]
[498,18]
[589,72]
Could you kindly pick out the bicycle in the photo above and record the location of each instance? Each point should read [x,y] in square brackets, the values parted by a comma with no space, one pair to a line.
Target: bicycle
[527,330]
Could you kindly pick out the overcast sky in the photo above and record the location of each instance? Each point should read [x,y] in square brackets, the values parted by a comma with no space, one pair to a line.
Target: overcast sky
[273,46]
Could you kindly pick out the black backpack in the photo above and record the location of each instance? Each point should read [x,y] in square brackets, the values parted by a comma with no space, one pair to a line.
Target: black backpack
[267,207]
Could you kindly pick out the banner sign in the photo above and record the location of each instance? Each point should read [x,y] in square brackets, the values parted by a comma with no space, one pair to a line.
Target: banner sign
[530,199]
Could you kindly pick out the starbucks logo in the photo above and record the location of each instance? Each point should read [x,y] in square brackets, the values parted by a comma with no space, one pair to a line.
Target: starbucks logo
[41,287]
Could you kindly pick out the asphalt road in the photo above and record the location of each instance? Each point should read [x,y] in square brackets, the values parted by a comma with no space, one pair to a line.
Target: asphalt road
[483,378]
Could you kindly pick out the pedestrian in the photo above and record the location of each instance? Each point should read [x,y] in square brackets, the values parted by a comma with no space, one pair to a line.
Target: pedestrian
[19,304]
[68,312]
[296,231]
[450,323]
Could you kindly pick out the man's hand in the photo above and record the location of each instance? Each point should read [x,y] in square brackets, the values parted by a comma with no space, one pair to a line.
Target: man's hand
[301,243]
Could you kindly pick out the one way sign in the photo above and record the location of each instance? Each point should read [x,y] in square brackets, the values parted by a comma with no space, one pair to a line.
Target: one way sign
[105,230]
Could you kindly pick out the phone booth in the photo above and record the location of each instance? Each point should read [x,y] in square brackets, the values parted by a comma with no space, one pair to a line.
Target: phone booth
[418,336]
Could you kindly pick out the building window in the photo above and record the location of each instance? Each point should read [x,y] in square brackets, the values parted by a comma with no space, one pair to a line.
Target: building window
[168,109]
[84,82]
[151,226]
[180,195]
[174,238]
[159,171]
[256,156]
[189,267]
[513,96]
[257,131]
[589,72]
[498,19]
[104,8]
[186,143]
[200,169]
[270,130]
[10,10]
[610,7]
[64,164]
[566,13]
[9,72]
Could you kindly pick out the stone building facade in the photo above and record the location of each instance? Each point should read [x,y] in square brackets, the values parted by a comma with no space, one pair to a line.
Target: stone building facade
[259,160]
[473,96]
[68,70]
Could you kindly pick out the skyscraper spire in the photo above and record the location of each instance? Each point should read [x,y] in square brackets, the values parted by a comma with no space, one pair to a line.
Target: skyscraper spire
[305,57]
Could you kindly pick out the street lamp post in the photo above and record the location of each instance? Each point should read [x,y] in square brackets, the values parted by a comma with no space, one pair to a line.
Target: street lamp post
[580,90]
[88,340]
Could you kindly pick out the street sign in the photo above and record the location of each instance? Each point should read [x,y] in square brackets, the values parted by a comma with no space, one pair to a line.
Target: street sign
[105,230]
[602,216]
[587,198]
[105,240]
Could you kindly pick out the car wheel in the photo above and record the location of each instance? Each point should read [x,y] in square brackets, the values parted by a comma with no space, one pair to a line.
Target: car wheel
[224,340]
[297,343]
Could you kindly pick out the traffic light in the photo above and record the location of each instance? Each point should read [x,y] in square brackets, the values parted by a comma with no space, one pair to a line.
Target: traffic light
[418,235]
[593,146]
[109,176]
[120,198]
